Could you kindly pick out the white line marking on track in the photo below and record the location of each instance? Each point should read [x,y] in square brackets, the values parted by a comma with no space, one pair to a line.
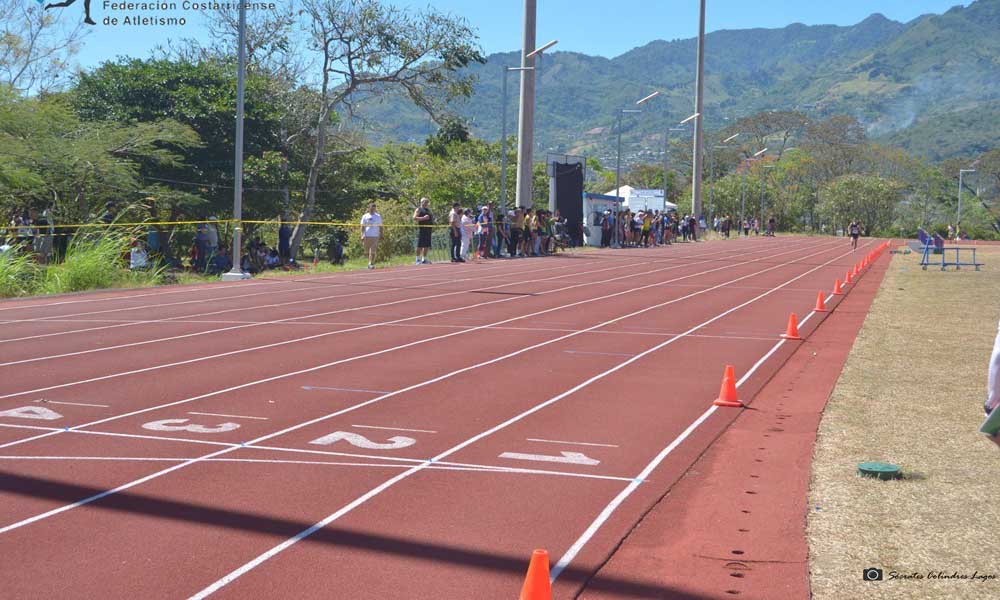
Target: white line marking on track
[432,314]
[473,329]
[244,326]
[448,375]
[396,277]
[605,514]
[232,576]
[229,416]
[600,353]
[338,389]
[571,443]
[442,466]
[393,428]
[73,403]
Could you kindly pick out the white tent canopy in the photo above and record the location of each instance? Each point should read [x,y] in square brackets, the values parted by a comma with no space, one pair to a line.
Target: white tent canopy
[637,199]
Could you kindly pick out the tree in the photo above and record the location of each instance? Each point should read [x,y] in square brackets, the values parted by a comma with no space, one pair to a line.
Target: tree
[201,95]
[366,50]
[35,47]
[870,198]
[770,129]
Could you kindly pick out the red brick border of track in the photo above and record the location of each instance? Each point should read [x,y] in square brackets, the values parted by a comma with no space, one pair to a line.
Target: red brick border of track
[734,525]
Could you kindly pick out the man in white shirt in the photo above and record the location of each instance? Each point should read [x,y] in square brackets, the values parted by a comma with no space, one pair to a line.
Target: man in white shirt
[993,392]
[371,230]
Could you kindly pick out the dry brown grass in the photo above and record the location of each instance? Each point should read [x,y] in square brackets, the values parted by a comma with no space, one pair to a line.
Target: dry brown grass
[911,393]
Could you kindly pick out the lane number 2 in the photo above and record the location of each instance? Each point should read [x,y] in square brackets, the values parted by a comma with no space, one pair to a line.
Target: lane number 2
[360,441]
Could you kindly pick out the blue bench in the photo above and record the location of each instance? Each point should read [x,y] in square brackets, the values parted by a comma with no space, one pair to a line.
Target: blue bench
[956,262]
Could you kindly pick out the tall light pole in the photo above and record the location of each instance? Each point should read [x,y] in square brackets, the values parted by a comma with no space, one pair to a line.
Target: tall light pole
[711,172]
[503,135]
[666,161]
[743,187]
[236,273]
[763,170]
[618,162]
[960,173]
[699,110]
[526,113]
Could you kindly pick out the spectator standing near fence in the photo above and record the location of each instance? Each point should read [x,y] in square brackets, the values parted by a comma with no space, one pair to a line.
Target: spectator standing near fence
[424,220]
[371,232]
[284,240]
[468,228]
[455,232]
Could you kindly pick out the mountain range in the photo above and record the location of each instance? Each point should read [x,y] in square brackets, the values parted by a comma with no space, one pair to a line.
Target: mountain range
[930,86]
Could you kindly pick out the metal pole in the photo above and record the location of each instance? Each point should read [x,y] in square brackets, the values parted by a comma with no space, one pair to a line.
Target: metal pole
[958,221]
[711,182]
[666,161]
[618,185]
[526,131]
[743,200]
[760,215]
[503,143]
[699,105]
[236,274]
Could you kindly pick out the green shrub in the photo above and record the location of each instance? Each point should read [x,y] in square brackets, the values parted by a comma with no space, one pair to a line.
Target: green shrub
[18,274]
[98,261]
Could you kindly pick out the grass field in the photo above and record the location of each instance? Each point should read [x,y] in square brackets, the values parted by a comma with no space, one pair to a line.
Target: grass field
[911,393]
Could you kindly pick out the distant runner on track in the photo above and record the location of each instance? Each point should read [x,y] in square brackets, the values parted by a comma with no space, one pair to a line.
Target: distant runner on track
[854,230]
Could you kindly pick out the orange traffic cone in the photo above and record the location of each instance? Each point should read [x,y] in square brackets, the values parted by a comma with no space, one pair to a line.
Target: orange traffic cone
[727,394]
[821,303]
[536,582]
[855,273]
[836,289]
[792,331]
[847,278]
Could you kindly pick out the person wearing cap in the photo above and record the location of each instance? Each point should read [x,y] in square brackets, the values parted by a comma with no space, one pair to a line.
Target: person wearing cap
[371,232]
[484,227]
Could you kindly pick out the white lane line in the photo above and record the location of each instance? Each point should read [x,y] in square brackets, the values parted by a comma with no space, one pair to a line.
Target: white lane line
[393,428]
[600,353]
[285,342]
[401,320]
[232,576]
[270,461]
[572,443]
[426,340]
[606,513]
[309,388]
[402,461]
[478,276]
[281,305]
[73,403]
[228,416]
[449,375]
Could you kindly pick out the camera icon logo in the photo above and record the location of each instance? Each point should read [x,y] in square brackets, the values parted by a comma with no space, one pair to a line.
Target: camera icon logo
[871,574]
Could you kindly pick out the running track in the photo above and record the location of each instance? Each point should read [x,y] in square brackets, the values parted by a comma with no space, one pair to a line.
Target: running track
[412,432]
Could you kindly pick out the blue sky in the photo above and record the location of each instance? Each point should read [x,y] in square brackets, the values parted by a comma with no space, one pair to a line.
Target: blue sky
[598,27]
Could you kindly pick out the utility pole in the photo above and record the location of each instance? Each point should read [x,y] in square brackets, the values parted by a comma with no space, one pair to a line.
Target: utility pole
[526,116]
[699,106]
[236,273]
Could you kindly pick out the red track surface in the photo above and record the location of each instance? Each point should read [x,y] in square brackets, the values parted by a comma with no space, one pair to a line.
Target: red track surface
[452,374]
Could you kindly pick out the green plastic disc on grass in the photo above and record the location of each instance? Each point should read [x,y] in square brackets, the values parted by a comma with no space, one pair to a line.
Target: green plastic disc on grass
[879,470]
